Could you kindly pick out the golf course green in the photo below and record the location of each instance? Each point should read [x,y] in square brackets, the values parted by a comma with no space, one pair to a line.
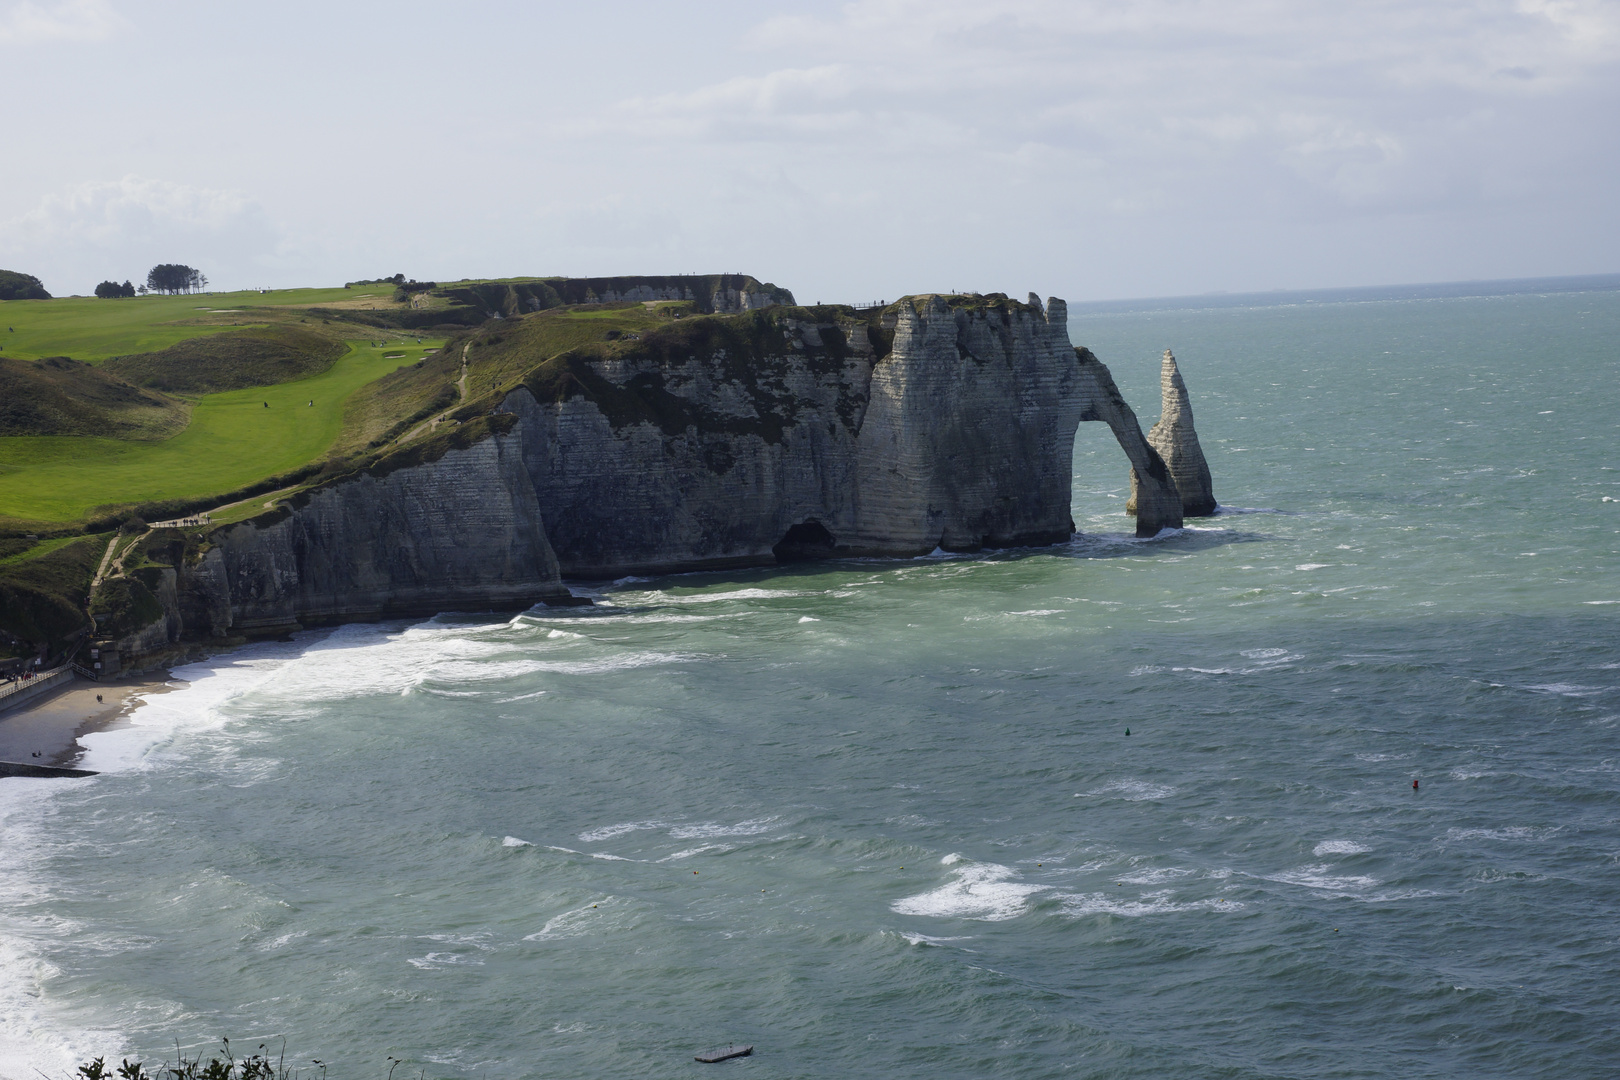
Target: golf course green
[233,440]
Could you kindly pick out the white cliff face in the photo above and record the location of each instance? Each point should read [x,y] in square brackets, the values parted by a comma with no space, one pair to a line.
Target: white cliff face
[802,439]
[738,450]
[463,531]
[1177,443]
[968,438]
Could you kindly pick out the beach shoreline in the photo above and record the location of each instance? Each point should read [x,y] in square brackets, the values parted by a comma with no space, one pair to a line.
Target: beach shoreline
[46,731]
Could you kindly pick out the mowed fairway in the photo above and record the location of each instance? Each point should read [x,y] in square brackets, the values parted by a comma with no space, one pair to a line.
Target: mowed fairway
[93,330]
[232,440]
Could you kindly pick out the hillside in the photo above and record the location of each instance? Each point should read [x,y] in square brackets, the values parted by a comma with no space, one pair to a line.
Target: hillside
[232,360]
[60,396]
[130,410]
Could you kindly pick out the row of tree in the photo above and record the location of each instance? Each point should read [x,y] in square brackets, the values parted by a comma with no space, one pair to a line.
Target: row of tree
[167,278]
[175,278]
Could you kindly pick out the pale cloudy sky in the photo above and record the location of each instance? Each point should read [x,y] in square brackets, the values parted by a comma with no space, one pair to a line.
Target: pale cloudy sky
[850,151]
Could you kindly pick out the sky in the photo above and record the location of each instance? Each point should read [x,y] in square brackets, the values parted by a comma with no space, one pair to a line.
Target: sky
[851,152]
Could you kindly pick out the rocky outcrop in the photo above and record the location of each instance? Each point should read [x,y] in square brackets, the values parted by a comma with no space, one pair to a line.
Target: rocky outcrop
[750,439]
[1153,499]
[1177,443]
[810,432]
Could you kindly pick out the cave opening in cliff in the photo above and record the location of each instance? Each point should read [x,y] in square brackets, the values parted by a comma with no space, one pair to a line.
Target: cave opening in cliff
[804,541]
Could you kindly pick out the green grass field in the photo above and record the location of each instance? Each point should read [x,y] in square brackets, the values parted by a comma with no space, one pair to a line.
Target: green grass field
[92,330]
[232,440]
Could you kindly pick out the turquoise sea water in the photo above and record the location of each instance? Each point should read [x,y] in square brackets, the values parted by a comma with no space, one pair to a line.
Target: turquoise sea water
[884,819]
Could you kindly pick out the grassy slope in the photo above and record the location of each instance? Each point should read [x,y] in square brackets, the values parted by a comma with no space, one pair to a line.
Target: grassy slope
[93,330]
[59,396]
[231,360]
[232,440]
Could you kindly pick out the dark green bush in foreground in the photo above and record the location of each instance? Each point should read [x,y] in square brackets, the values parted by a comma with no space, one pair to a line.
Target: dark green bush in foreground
[220,1066]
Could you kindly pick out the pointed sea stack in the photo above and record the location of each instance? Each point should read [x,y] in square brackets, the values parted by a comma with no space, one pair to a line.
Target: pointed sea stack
[1177,443]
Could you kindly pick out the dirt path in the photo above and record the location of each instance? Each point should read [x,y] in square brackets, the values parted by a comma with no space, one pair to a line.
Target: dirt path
[101,571]
[432,422]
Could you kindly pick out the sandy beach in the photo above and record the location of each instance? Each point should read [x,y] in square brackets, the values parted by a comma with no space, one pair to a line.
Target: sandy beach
[51,726]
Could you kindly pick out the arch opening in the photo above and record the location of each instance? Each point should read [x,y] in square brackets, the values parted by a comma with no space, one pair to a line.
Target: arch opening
[805,541]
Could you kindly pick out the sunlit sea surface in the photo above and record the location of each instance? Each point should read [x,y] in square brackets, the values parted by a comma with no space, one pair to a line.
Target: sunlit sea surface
[1109,809]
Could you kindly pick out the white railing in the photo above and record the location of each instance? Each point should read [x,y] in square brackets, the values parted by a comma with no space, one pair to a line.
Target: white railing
[181,523]
[41,679]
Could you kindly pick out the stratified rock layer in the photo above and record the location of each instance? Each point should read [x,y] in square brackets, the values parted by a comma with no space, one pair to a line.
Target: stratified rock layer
[1177,443]
[459,532]
[795,432]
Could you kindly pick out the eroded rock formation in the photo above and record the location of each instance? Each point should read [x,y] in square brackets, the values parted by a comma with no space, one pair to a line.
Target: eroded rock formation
[1177,443]
[749,439]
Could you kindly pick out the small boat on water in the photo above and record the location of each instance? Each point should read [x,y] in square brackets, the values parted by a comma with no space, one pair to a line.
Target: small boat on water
[726,1053]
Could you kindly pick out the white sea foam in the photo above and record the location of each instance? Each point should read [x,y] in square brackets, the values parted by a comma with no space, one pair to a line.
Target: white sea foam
[1313,566]
[700,849]
[581,920]
[1511,832]
[1322,878]
[521,697]
[807,618]
[1339,847]
[924,939]
[1263,654]
[512,841]
[608,832]
[709,829]
[1132,791]
[977,891]
[1154,903]
[734,594]
[1568,689]
[1156,876]
[434,960]
[1041,611]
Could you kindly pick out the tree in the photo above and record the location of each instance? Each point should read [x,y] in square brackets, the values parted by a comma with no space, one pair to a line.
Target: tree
[15,286]
[126,289]
[175,278]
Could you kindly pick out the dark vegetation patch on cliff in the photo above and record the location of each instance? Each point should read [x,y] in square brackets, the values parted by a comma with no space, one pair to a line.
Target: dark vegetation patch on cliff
[42,600]
[59,396]
[232,360]
[124,605]
[756,352]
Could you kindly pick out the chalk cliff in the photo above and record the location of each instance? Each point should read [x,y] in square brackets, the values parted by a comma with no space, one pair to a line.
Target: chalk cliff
[788,433]
[1177,443]
[731,440]
[461,530]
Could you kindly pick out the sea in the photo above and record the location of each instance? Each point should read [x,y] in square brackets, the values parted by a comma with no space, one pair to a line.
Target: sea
[1326,785]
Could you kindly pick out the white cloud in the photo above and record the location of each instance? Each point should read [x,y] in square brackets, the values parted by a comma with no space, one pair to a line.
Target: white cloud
[67,20]
[119,228]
